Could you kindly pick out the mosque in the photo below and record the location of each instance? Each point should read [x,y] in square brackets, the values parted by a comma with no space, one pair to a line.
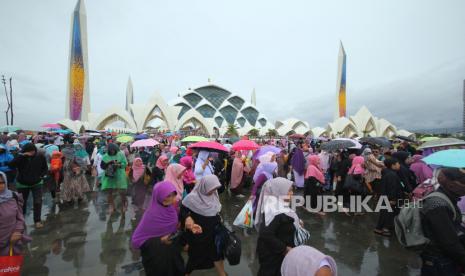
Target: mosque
[209,108]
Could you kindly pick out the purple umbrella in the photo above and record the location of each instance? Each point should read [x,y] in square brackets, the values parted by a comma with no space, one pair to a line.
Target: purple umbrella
[263,150]
[141,136]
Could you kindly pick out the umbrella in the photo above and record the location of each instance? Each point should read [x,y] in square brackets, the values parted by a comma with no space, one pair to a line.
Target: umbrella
[144,143]
[404,138]
[357,144]
[91,131]
[49,149]
[245,145]
[443,142]
[376,141]
[337,145]
[209,145]
[264,149]
[9,128]
[194,139]
[429,138]
[125,139]
[296,136]
[447,158]
[51,126]
[141,136]
[62,131]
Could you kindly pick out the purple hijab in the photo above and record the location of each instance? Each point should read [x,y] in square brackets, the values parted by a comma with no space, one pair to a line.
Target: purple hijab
[158,220]
[421,170]
[298,161]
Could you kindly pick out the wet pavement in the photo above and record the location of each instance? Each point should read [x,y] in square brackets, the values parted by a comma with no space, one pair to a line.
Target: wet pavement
[84,240]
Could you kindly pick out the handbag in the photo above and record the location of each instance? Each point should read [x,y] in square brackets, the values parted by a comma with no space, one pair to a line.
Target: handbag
[354,185]
[110,171]
[227,244]
[11,265]
[301,236]
[244,219]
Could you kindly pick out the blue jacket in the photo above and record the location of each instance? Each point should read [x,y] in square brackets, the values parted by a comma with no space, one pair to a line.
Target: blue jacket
[5,158]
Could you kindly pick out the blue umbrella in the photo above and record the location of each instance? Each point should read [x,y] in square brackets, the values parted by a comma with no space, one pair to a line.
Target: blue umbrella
[62,131]
[141,136]
[454,158]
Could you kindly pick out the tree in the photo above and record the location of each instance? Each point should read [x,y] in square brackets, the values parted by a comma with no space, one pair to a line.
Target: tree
[232,131]
[272,133]
[254,133]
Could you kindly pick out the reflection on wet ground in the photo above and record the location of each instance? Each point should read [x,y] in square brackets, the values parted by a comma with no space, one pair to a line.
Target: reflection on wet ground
[84,240]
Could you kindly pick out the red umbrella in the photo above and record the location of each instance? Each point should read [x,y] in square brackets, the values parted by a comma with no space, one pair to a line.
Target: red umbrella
[51,126]
[209,145]
[245,145]
[296,136]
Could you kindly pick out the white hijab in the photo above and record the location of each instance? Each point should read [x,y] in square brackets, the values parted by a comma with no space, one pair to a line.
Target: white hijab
[198,170]
[200,202]
[271,203]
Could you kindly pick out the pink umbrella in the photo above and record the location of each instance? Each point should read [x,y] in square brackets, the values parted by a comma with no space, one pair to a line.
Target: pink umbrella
[144,143]
[245,145]
[51,126]
[209,145]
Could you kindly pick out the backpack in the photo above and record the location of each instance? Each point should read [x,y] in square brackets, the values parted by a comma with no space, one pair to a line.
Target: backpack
[423,190]
[55,164]
[408,227]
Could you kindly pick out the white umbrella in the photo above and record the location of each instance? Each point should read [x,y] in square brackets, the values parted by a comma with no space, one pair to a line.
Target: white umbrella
[357,143]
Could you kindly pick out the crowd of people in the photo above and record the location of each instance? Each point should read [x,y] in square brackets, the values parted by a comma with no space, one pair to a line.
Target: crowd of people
[175,192]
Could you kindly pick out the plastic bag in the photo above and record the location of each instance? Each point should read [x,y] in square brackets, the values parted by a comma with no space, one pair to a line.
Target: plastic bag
[11,265]
[244,219]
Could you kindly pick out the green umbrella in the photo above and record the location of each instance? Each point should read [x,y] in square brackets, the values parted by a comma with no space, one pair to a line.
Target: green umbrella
[9,128]
[125,139]
[194,139]
[430,138]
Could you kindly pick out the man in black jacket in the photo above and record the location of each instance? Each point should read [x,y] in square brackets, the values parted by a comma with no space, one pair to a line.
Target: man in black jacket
[391,188]
[445,255]
[31,168]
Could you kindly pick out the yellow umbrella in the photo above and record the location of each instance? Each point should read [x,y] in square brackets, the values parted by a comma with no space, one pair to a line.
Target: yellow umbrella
[125,139]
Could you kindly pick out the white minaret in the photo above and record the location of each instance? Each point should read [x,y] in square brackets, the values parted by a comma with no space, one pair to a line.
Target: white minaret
[253,98]
[129,95]
[78,96]
[341,84]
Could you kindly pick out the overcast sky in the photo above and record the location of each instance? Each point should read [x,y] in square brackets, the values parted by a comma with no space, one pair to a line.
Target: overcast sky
[405,59]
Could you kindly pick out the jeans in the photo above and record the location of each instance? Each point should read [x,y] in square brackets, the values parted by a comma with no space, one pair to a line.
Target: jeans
[36,200]
[438,266]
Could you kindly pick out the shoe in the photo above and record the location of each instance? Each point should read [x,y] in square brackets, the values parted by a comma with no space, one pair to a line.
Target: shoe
[38,225]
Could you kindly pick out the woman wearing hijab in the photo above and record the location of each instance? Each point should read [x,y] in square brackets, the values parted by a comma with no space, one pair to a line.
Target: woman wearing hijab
[114,179]
[422,171]
[314,179]
[203,166]
[174,174]
[74,177]
[160,256]
[373,170]
[158,172]
[308,261]
[277,224]
[188,177]
[237,174]
[136,176]
[12,223]
[265,171]
[201,207]
[282,160]
[298,167]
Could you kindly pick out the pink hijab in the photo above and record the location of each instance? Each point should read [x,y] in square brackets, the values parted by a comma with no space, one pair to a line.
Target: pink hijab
[138,169]
[313,169]
[174,174]
[162,162]
[237,171]
[189,176]
[357,165]
[421,170]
